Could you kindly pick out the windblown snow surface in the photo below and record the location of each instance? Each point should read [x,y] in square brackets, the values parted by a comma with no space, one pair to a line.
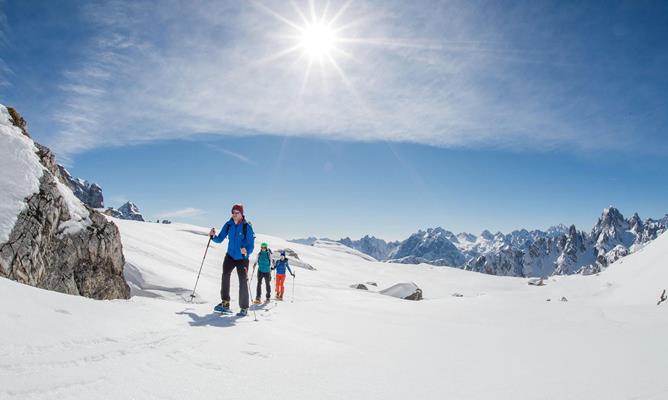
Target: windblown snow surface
[500,340]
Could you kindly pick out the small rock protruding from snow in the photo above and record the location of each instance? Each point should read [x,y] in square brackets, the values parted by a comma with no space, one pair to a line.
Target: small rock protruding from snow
[359,286]
[405,290]
[536,282]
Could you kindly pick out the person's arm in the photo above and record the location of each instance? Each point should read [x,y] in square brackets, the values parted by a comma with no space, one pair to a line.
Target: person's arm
[250,240]
[221,235]
[287,265]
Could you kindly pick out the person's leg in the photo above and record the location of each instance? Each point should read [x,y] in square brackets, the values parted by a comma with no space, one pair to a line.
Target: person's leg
[258,290]
[280,279]
[228,266]
[242,273]
[267,281]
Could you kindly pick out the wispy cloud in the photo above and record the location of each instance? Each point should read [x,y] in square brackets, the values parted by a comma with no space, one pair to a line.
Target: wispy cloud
[212,67]
[5,71]
[182,213]
[233,154]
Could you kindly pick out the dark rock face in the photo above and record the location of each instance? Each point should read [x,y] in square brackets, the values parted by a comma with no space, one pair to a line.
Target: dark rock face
[42,251]
[359,286]
[89,193]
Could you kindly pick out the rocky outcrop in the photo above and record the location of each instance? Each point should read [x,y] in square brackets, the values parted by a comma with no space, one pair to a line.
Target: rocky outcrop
[59,244]
[130,211]
[89,193]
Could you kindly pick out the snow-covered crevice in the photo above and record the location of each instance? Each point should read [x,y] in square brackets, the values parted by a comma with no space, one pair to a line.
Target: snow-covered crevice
[21,172]
[79,215]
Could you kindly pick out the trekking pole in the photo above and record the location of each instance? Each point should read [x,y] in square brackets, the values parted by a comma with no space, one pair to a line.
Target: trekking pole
[293,289]
[192,296]
[254,314]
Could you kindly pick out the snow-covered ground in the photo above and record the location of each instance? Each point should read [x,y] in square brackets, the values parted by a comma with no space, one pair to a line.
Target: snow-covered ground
[500,340]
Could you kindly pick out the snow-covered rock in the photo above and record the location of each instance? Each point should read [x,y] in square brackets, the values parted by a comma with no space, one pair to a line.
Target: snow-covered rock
[405,290]
[52,241]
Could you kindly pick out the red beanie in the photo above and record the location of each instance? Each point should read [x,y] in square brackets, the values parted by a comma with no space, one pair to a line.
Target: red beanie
[239,208]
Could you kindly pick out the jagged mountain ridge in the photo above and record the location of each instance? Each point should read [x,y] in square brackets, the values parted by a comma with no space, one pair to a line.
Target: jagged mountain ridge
[559,250]
[89,193]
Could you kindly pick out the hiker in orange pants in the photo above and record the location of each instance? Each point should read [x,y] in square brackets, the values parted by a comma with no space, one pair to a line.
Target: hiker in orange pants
[281,266]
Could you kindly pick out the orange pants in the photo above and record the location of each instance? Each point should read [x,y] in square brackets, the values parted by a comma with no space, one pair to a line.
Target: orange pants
[280,288]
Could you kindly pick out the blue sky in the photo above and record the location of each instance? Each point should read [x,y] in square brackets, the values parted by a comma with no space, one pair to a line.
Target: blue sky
[463,114]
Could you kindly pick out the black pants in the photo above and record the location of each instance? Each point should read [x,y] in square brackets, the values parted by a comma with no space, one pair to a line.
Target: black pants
[242,272]
[267,280]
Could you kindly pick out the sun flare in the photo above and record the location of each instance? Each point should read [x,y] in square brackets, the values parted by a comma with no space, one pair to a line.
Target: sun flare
[317,40]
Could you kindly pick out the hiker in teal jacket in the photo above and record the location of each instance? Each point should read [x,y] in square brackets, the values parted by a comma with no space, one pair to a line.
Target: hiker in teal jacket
[263,272]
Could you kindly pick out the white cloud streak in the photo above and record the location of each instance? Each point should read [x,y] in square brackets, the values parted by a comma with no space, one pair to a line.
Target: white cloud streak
[232,154]
[186,69]
[5,71]
[182,213]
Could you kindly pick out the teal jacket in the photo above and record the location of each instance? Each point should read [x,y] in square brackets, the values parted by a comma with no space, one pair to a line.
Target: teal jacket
[264,261]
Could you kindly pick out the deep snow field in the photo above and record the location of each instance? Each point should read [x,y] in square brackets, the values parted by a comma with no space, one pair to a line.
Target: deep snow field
[500,340]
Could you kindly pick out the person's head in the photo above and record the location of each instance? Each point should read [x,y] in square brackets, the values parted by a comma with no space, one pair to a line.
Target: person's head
[237,212]
[263,247]
[283,254]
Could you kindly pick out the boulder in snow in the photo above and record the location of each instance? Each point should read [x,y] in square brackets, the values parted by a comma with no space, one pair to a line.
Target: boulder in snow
[359,286]
[406,291]
[536,282]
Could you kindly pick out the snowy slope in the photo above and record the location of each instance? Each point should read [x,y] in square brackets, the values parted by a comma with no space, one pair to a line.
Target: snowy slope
[501,340]
[20,171]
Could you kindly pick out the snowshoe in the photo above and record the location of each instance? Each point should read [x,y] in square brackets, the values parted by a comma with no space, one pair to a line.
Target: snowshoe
[243,312]
[223,308]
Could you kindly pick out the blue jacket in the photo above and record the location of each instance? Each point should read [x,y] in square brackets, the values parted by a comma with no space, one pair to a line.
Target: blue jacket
[281,265]
[236,239]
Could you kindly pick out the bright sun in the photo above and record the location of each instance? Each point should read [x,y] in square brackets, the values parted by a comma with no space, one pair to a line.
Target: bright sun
[317,40]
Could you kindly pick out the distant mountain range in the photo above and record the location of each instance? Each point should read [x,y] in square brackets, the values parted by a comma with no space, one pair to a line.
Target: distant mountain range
[91,195]
[560,250]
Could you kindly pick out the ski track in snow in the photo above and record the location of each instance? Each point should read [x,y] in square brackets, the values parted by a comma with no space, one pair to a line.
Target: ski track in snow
[501,340]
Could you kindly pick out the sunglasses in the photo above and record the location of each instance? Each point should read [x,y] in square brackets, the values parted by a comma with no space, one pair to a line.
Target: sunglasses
[236,212]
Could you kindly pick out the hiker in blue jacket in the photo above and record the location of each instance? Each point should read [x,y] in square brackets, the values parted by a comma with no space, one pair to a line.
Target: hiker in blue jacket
[240,245]
[281,265]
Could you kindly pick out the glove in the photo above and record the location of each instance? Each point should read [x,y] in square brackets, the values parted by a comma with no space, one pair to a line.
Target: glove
[293,274]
